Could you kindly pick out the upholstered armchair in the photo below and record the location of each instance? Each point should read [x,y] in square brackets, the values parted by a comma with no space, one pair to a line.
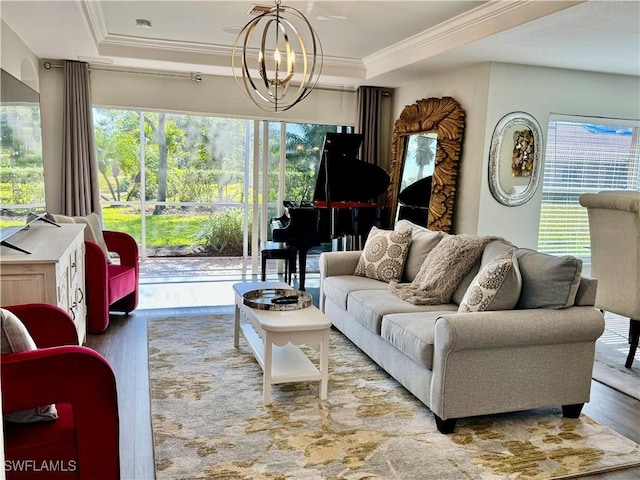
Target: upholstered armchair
[111,286]
[614,226]
[83,442]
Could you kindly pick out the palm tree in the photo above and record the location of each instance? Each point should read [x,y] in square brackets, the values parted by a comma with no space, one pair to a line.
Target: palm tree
[424,153]
[304,145]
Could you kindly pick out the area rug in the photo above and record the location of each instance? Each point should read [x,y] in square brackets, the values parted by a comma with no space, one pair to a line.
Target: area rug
[209,422]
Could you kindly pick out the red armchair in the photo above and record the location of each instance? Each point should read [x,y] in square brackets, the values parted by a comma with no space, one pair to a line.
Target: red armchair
[83,442]
[111,286]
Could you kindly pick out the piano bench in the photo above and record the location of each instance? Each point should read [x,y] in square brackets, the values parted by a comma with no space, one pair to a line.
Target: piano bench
[278,251]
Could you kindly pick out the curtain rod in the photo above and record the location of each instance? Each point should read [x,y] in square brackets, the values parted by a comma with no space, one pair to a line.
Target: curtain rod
[196,77]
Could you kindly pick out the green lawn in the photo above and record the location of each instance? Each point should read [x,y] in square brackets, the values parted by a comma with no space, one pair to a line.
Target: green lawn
[566,229]
[165,230]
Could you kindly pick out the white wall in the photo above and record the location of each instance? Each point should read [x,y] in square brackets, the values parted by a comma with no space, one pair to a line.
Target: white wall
[214,95]
[487,92]
[540,92]
[16,58]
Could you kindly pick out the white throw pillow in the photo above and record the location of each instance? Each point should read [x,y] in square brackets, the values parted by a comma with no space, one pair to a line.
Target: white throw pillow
[15,338]
[384,255]
[92,231]
[497,286]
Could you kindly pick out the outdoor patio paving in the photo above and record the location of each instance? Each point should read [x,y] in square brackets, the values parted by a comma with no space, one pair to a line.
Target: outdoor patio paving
[172,267]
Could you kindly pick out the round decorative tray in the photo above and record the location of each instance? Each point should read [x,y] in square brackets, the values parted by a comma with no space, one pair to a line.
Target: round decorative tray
[277,299]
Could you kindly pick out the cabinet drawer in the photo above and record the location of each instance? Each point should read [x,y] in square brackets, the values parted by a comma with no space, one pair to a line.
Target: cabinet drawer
[26,287]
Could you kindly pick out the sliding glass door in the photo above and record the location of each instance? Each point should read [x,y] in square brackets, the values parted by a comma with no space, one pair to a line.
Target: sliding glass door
[187,185]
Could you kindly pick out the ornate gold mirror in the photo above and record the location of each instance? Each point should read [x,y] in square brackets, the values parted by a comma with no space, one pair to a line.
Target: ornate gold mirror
[429,125]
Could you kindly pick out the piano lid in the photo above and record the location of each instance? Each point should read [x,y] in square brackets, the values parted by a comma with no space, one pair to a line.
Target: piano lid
[349,179]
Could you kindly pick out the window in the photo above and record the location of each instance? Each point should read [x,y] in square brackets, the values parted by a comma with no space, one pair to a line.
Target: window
[583,156]
[193,177]
[21,165]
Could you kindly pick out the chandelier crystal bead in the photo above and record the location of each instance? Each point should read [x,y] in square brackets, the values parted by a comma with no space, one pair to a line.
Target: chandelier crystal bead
[277,58]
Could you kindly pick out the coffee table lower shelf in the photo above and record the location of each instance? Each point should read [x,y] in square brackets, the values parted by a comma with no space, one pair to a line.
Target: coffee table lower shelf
[288,362]
[274,338]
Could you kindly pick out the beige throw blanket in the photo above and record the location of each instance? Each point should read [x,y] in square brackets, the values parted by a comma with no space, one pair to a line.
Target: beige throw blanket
[443,270]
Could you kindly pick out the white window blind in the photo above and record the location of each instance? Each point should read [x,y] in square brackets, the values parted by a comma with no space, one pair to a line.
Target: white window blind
[584,155]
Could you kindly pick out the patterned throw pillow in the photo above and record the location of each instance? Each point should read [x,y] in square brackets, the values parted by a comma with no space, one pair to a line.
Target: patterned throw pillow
[15,338]
[384,254]
[496,286]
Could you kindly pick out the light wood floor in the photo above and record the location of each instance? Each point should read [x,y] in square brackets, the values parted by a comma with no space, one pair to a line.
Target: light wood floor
[124,345]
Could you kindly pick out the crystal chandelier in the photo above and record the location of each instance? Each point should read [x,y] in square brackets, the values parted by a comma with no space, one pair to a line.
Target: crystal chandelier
[284,53]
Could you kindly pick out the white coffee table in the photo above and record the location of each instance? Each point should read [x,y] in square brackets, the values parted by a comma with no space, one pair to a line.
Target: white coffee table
[274,336]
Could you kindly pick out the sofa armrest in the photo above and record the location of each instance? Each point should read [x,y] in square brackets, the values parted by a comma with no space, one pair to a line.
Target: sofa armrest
[48,325]
[514,328]
[124,245]
[491,362]
[338,263]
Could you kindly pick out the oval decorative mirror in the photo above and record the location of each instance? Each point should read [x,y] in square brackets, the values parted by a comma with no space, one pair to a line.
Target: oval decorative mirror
[514,159]
[425,151]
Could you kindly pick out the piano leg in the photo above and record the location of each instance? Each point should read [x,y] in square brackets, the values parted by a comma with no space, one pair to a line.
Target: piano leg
[302,262]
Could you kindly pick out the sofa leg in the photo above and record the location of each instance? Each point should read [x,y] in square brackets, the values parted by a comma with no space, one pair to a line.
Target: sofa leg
[572,411]
[445,426]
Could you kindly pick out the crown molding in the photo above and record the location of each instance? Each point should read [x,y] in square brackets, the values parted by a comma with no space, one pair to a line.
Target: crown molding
[208,54]
[487,19]
[128,41]
[95,20]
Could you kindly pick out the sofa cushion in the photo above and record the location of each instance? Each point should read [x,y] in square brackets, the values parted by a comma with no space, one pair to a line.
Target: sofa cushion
[16,338]
[412,334]
[122,281]
[496,287]
[44,442]
[384,254]
[548,281]
[369,306]
[493,249]
[586,295]
[458,295]
[422,242]
[338,288]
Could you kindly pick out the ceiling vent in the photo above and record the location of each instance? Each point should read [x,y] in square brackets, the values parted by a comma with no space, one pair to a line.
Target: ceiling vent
[259,9]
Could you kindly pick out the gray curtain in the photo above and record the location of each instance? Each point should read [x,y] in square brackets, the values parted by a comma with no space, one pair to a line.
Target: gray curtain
[80,189]
[370,123]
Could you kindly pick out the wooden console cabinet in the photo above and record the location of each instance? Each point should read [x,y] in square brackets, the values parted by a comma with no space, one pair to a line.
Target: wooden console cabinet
[53,273]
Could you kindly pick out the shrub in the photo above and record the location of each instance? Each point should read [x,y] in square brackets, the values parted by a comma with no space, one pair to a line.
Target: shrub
[221,233]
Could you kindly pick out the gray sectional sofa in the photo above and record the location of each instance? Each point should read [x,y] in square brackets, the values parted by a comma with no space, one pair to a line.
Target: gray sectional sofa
[536,353]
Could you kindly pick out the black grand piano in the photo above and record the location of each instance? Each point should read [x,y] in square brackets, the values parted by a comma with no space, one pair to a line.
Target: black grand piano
[343,200]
